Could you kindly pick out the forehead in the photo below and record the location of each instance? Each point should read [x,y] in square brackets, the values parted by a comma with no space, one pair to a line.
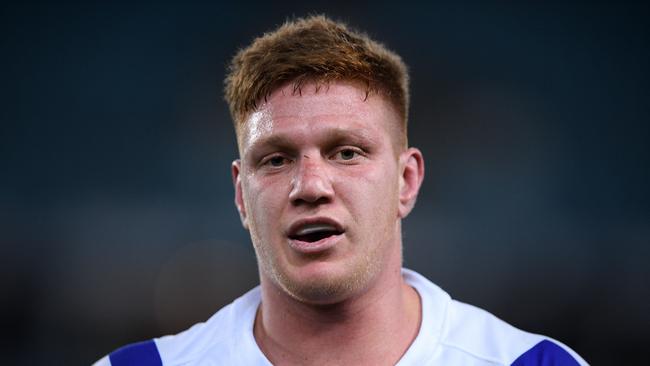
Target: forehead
[314,107]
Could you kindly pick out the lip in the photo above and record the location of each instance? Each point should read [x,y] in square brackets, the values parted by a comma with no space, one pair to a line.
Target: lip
[324,244]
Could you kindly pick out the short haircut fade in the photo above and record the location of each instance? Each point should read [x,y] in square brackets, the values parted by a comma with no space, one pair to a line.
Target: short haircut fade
[313,49]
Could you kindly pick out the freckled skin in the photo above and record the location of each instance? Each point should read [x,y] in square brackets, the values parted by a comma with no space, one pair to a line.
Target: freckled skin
[361,194]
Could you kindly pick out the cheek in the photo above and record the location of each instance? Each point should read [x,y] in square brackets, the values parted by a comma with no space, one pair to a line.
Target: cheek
[264,202]
[372,192]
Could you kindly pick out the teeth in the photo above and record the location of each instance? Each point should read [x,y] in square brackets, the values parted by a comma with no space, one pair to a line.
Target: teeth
[313,228]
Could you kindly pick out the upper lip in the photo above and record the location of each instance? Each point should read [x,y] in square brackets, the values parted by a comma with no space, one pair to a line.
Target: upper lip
[298,225]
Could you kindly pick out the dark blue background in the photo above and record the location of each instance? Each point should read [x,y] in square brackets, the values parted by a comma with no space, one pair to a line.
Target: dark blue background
[116,214]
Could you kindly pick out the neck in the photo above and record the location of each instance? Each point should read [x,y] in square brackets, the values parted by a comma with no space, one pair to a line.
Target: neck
[375,327]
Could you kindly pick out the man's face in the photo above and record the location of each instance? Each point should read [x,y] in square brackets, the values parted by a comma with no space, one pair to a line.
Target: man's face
[318,186]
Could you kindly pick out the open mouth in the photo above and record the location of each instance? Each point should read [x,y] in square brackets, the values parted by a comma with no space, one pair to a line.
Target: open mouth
[312,233]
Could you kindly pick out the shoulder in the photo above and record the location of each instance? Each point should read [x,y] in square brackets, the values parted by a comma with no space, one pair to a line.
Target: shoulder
[219,333]
[481,335]
[141,353]
[455,333]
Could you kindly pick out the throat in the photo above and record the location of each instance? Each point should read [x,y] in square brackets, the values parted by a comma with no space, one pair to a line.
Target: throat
[377,333]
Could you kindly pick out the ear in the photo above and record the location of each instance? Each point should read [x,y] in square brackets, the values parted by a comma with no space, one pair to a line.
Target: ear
[411,165]
[239,198]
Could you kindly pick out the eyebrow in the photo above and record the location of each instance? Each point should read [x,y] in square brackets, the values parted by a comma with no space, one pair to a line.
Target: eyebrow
[281,141]
[340,135]
[331,136]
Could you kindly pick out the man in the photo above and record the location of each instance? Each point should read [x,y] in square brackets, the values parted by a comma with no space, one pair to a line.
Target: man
[324,178]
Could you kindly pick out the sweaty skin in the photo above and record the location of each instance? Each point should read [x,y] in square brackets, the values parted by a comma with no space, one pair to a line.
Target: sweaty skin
[327,157]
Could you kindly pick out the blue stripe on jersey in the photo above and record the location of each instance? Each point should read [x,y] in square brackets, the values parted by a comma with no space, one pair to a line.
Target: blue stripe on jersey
[136,354]
[546,353]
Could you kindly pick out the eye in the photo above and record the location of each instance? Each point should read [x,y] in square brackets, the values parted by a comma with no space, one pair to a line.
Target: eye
[347,154]
[275,161]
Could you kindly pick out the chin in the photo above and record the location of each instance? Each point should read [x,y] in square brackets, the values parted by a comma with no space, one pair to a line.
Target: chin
[324,285]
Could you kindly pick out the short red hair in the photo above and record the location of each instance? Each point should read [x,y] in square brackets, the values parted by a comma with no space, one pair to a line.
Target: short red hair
[314,49]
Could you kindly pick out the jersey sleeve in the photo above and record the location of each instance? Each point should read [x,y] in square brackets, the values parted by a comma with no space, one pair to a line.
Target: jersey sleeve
[548,353]
[136,354]
[104,361]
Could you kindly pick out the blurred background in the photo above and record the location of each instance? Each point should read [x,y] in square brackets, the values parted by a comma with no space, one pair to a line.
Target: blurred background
[117,221]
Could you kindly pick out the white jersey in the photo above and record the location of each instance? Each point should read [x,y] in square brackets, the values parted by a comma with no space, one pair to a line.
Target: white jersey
[451,333]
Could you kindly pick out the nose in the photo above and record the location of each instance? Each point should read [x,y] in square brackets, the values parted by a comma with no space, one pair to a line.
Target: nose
[311,184]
